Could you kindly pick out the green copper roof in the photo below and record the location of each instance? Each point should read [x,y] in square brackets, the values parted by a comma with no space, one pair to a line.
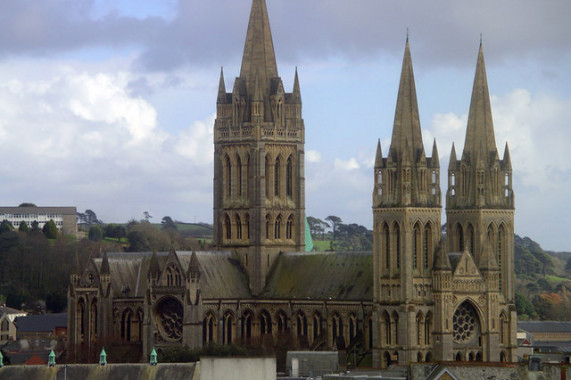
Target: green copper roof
[308,239]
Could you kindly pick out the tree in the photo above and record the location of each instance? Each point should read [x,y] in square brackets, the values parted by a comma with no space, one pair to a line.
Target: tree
[316,226]
[335,221]
[138,242]
[147,216]
[168,223]
[27,204]
[6,226]
[50,229]
[23,227]
[35,227]
[524,307]
[95,233]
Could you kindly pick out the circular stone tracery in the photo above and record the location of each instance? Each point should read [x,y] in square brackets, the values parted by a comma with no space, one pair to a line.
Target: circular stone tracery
[168,317]
[465,323]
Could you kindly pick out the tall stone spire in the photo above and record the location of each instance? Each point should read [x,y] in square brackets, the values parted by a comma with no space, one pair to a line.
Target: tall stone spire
[480,132]
[406,124]
[259,56]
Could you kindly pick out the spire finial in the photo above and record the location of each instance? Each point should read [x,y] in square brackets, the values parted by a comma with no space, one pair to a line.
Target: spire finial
[480,39]
[407,34]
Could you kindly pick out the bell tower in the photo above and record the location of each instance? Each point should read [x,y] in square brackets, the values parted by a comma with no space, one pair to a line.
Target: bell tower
[259,136]
[480,214]
[406,223]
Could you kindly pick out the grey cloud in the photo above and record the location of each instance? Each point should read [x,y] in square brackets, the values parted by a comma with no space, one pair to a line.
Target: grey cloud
[206,32]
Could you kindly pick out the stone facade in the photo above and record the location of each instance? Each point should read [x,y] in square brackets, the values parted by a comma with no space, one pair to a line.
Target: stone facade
[415,298]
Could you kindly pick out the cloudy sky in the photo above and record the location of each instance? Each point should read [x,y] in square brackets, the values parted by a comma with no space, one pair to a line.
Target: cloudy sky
[109,104]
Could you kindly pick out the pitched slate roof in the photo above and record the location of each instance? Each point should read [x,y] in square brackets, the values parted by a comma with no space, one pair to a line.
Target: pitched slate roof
[340,276]
[545,326]
[41,323]
[221,274]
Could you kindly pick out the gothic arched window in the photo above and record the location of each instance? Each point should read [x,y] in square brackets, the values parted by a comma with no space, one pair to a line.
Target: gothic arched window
[277,178]
[278,227]
[289,177]
[289,227]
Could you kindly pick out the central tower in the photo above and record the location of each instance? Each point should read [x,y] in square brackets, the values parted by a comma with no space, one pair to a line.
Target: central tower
[259,136]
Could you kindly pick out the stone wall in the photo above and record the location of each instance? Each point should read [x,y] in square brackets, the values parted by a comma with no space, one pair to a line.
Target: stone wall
[95,372]
[487,371]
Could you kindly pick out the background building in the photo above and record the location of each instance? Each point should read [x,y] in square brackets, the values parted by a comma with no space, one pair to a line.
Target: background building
[65,218]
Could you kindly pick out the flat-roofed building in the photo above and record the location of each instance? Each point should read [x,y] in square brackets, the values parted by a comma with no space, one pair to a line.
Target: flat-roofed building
[65,218]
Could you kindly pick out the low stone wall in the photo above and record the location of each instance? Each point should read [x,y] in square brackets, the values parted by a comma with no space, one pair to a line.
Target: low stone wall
[184,371]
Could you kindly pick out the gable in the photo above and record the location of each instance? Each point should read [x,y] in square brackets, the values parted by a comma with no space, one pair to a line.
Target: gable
[466,267]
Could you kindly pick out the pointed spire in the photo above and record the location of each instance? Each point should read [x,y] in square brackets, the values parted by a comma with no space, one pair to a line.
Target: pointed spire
[407,124]
[379,156]
[435,161]
[259,49]
[221,88]
[296,89]
[105,264]
[154,267]
[194,267]
[480,130]
[453,158]
[442,261]
[507,161]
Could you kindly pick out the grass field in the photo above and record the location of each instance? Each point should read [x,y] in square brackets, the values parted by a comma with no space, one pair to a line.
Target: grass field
[321,245]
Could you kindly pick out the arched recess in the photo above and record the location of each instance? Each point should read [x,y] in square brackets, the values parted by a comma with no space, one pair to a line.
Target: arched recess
[238,227]
[419,357]
[353,327]
[289,227]
[316,325]
[386,239]
[247,226]
[228,176]
[247,176]
[247,320]
[336,323]
[172,276]
[228,327]
[94,326]
[239,175]
[386,328]
[395,328]
[267,175]
[300,324]
[459,238]
[126,324]
[277,182]
[471,239]
[281,322]
[268,226]
[427,247]
[428,329]
[429,357]
[501,253]
[396,229]
[265,323]
[416,245]
[278,227]
[289,177]
[80,320]
[504,329]
[420,328]
[227,227]
[209,328]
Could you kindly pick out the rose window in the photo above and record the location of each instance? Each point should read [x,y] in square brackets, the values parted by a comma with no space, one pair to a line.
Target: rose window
[168,317]
[465,323]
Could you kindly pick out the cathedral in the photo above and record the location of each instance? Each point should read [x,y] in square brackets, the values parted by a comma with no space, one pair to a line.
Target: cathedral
[418,297]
